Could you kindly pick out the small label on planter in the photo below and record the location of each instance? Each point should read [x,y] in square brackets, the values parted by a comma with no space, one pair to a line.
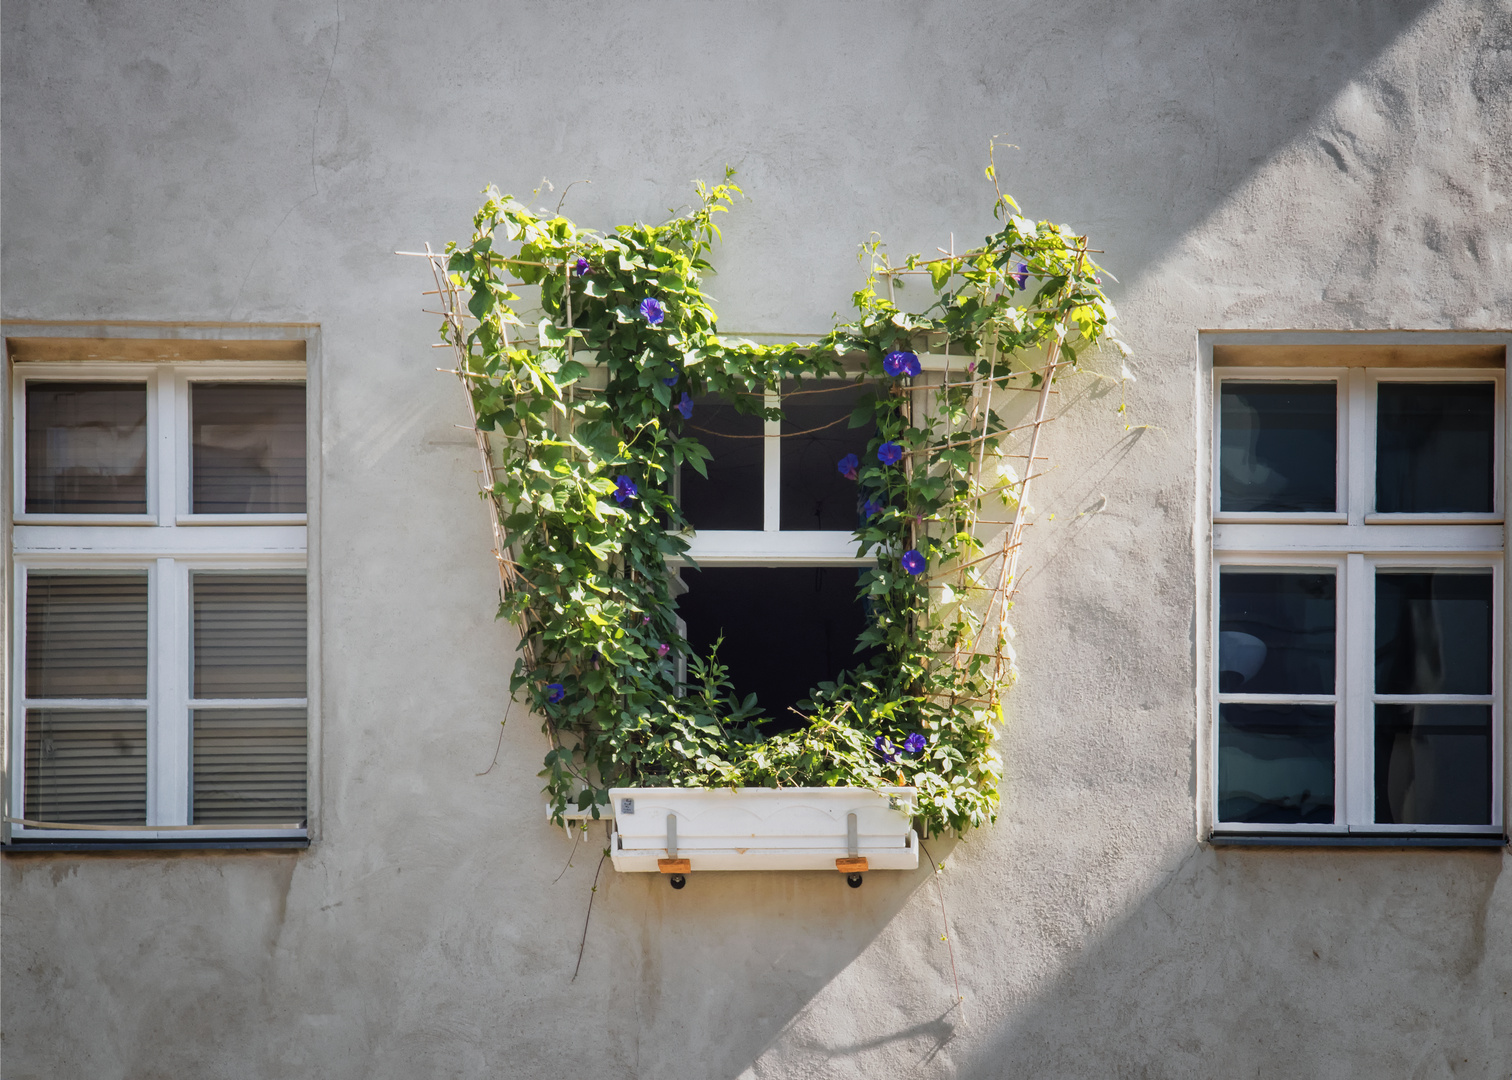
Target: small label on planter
[627,806]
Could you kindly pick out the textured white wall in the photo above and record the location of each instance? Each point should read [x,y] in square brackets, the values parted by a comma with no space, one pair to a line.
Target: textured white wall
[1247,164]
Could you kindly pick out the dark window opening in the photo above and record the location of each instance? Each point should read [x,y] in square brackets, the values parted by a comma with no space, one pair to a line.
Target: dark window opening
[785,629]
[816,434]
[730,496]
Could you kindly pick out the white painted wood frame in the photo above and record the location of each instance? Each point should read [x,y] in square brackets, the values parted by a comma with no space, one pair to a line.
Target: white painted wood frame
[1352,542]
[170,543]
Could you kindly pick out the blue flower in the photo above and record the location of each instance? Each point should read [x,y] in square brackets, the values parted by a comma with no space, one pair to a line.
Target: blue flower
[1020,277]
[913,562]
[685,406]
[652,310]
[883,745]
[624,489]
[555,692]
[902,363]
[670,380]
[889,453]
[872,507]
[914,743]
[582,267]
[848,466]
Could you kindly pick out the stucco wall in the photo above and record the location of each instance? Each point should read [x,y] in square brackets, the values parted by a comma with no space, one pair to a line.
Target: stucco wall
[1248,164]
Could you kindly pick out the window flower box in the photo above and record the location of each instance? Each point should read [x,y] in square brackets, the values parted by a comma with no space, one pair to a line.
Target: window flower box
[677,830]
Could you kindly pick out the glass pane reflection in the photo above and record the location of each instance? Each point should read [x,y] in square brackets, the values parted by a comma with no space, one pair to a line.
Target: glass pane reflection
[86,448]
[1276,764]
[814,493]
[1434,447]
[1276,632]
[731,496]
[1277,446]
[249,448]
[1433,764]
[1433,632]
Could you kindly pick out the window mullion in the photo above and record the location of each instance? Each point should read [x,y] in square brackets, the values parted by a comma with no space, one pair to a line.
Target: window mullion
[162,463]
[771,469]
[1356,722]
[1358,448]
[168,734]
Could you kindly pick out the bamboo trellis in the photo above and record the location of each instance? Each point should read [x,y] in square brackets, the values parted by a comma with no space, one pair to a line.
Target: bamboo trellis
[982,381]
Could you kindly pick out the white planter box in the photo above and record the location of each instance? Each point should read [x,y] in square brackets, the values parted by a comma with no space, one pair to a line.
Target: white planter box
[762,828]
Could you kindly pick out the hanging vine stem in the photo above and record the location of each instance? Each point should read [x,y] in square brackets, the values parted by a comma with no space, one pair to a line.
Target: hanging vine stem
[585,523]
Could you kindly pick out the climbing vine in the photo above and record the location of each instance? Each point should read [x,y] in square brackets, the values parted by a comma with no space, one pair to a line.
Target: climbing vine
[584,419]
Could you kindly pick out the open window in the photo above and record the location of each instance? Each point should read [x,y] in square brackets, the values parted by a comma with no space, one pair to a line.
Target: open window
[774,518]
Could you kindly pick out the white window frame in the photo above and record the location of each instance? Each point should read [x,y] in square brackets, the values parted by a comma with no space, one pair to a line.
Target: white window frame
[171,543]
[1353,542]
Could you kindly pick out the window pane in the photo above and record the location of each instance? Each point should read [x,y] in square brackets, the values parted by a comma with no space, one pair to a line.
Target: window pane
[1433,633]
[86,635]
[816,434]
[1276,763]
[731,496]
[249,635]
[1434,447]
[86,448]
[1276,632]
[87,768]
[1433,764]
[249,448]
[249,766]
[785,629]
[1278,446]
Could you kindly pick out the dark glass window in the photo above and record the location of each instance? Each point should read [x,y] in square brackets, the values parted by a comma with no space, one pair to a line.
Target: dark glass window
[1276,763]
[786,629]
[1435,445]
[1433,764]
[816,434]
[249,448]
[86,448]
[1276,632]
[1433,632]
[1278,447]
[731,496]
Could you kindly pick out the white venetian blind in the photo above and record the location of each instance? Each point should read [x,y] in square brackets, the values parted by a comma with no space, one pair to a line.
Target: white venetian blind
[86,637]
[249,761]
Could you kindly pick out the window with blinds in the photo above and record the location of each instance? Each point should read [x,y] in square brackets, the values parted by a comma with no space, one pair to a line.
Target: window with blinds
[249,643]
[161,673]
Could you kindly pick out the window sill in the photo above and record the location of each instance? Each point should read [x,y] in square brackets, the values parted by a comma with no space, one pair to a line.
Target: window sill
[28,845]
[1375,840]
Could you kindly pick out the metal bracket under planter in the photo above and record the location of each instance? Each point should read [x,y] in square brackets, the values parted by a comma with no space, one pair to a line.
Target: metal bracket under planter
[679,830]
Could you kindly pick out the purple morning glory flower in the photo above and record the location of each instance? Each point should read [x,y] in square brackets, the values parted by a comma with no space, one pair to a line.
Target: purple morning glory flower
[914,743]
[556,692]
[889,453]
[848,466]
[913,562]
[582,267]
[902,363]
[663,649]
[871,508]
[624,489]
[652,310]
[883,745]
[685,406]
[1020,277]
